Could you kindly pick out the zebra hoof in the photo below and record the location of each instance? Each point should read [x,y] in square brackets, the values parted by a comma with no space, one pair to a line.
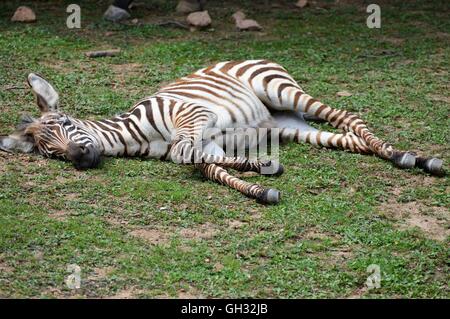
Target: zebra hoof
[270,196]
[434,166]
[405,160]
[272,168]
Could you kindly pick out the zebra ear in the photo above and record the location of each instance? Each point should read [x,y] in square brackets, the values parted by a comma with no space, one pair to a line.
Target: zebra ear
[21,140]
[46,96]
[16,143]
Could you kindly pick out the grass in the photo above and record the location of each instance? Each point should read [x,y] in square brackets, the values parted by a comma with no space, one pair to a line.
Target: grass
[154,229]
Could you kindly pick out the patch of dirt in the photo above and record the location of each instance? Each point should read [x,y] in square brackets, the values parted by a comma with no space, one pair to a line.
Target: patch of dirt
[59,65]
[433,221]
[339,255]
[336,256]
[358,293]
[393,40]
[236,224]
[153,236]
[72,196]
[100,273]
[128,293]
[54,292]
[204,231]
[190,293]
[69,66]
[405,62]
[314,234]
[4,268]
[116,221]
[122,71]
[59,215]
[442,35]
[440,98]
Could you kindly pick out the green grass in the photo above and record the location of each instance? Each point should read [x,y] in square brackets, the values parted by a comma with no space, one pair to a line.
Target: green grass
[155,229]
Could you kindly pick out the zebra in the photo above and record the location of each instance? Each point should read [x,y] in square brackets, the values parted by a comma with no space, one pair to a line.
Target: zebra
[168,125]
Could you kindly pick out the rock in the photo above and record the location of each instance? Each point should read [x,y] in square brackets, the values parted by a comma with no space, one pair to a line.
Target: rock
[248,25]
[239,15]
[102,53]
[244,24]
[115,14]
[188,6]
[199,19]
[23,14]
[301,3]
[344,93]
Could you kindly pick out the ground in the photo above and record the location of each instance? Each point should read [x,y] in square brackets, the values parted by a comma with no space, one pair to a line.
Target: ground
[155,229]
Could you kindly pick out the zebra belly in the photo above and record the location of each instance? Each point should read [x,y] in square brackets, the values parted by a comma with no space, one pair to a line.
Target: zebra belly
[240,109]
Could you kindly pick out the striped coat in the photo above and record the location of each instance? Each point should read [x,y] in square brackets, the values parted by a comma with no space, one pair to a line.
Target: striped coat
[234,96]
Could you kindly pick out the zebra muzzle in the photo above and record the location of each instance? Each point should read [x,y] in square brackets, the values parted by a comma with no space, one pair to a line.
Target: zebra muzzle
[83,157]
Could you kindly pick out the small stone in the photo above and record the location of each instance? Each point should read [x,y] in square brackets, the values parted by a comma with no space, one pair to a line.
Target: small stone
[199,19]
[245,24]
[186,6]
[239,15]
[248,25]
[301,3]
[115,14]
[344,93]
[23,14]
[134,21]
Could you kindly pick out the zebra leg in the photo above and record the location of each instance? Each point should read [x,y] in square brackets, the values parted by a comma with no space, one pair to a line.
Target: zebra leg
[352,123]
[184,152]
[269,167]
[346,141]
[221,176]
[279,91]
[187,144]
[431,165]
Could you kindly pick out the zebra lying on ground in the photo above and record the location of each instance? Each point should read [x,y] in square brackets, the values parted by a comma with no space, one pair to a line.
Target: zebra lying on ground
[170,124]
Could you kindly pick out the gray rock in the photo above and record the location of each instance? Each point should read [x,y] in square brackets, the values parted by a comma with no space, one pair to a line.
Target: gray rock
[115,14]
[23,14]
[244,24]
[199,19]
[188,6]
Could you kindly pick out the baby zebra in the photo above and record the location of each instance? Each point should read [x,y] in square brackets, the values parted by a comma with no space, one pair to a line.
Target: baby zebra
[171,124]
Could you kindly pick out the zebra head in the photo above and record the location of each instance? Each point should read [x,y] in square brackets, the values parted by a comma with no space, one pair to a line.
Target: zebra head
[53,134]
